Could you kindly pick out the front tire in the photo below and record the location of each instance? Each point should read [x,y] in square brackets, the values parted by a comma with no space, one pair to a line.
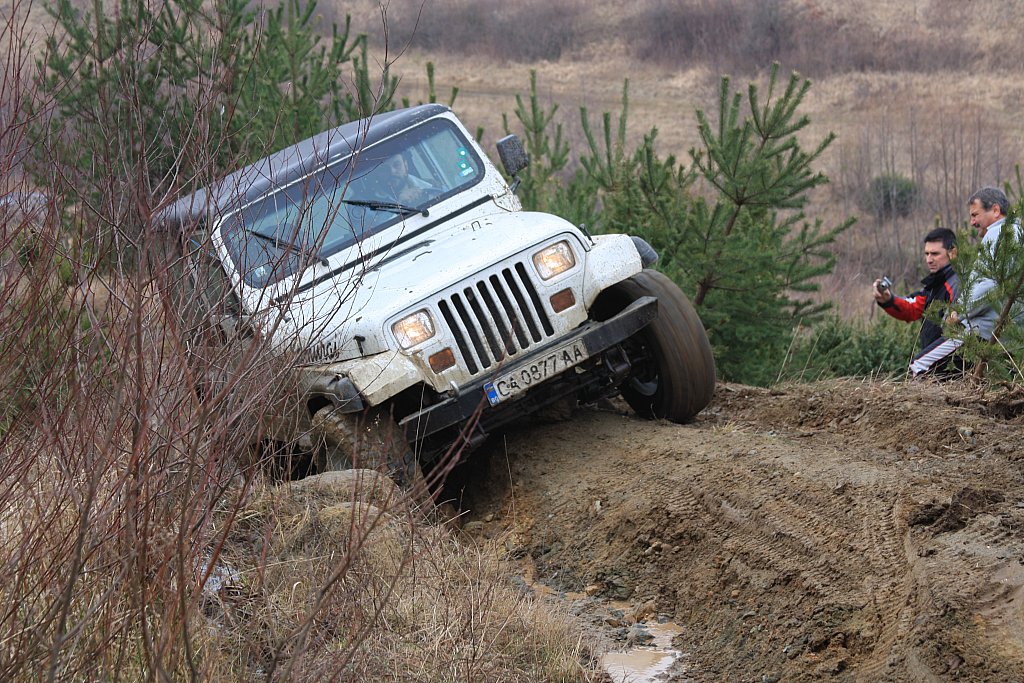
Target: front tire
[673,367]
[370,440]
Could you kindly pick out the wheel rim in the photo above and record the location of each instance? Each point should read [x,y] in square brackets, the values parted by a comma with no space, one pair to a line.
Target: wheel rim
[644,379]
[644,387]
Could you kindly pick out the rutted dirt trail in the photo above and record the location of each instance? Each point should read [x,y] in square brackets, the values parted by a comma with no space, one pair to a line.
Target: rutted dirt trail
[848,530]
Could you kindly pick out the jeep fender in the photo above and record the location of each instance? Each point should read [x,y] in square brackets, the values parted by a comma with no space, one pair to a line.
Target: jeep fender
[612,259]
[382,376]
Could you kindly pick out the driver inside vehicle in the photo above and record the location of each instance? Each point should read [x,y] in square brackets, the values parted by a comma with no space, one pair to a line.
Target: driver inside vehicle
[401,184]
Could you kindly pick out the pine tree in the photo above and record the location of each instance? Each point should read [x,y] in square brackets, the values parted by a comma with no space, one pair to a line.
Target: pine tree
[548,153]
[1002,357]
[144,100]
[729,226]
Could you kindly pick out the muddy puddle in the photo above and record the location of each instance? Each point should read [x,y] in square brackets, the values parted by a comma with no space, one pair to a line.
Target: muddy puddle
[643,652]
[646,662]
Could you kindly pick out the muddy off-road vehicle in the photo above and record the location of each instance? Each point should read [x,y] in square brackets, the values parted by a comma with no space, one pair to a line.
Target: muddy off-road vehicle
[396,264]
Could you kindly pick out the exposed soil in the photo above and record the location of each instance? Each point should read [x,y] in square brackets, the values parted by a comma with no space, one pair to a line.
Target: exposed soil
[846,530]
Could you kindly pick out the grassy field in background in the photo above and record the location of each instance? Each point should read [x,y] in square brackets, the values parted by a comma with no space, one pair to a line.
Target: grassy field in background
[931,90]
[140,535]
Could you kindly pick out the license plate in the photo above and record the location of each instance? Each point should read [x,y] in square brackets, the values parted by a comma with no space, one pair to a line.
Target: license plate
[525,376]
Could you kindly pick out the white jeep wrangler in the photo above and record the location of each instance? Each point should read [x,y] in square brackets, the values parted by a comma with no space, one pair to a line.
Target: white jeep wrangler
[423,301]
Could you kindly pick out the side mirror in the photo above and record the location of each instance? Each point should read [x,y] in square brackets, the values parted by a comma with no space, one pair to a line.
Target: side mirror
[513,157]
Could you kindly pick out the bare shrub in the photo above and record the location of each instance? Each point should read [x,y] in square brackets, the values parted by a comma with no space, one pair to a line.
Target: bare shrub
[522,31]
[139,537]
[113,470]
[740,36]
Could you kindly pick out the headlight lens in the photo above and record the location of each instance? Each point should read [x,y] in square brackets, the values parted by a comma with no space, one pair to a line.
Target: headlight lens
[414,329]
[551,261]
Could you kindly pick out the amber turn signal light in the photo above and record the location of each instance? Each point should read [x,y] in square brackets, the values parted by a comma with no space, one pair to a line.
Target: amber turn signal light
[442,360]
[562,300]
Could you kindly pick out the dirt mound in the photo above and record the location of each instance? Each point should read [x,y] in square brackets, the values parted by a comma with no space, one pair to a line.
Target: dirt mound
[848,530]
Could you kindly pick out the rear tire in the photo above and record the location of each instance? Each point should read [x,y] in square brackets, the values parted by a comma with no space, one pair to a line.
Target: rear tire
[673,367]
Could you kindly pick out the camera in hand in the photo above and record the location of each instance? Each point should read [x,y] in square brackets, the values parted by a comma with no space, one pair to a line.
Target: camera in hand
[884,284]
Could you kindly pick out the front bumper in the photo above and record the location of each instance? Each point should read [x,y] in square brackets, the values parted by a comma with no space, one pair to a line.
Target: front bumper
[596,336]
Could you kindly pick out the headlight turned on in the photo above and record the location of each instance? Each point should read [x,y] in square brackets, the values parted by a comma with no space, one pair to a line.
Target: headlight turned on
[551,261]
[414,329]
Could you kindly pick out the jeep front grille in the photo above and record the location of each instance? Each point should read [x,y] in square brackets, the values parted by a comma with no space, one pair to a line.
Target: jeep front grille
[495,317]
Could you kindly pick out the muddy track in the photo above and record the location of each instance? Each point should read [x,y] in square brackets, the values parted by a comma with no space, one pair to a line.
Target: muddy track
[848,531]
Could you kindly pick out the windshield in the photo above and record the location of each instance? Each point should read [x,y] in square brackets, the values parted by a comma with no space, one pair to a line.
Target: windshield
[336,207]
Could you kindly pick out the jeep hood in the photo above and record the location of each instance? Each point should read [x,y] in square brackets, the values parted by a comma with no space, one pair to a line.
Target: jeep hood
[349,316]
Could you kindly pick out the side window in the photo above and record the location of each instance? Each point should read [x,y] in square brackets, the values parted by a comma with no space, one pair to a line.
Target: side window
[455,161]
[213,282]
[208,300]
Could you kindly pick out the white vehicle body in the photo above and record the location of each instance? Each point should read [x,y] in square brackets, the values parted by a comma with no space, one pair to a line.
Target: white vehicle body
[450,298]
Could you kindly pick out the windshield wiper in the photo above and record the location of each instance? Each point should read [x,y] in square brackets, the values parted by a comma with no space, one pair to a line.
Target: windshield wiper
[393,207]
[286,245]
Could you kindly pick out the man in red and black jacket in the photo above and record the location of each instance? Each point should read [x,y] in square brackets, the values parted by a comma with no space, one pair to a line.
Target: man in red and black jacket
[942,285]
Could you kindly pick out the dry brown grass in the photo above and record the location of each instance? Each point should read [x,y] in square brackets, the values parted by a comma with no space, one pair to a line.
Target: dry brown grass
[332,578]
[381,595]
[136,539]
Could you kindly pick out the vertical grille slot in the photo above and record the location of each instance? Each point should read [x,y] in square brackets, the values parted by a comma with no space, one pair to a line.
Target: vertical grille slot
[523,306]
[535,298]
[515,324]
[471,330]
[497,352]
[503,343]
[460,336]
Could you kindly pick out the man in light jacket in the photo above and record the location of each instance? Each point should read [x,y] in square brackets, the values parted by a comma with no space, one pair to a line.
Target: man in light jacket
[988,207]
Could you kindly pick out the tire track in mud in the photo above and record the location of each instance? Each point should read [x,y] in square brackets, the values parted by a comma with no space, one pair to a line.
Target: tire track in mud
[767,533]
[769,514]
[896,597]
[856,561]
[842,530]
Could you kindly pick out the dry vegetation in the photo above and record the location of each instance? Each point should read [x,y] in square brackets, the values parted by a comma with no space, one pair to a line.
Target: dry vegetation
[140,541]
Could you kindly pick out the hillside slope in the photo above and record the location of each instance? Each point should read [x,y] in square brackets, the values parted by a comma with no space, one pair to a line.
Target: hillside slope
[849,530]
